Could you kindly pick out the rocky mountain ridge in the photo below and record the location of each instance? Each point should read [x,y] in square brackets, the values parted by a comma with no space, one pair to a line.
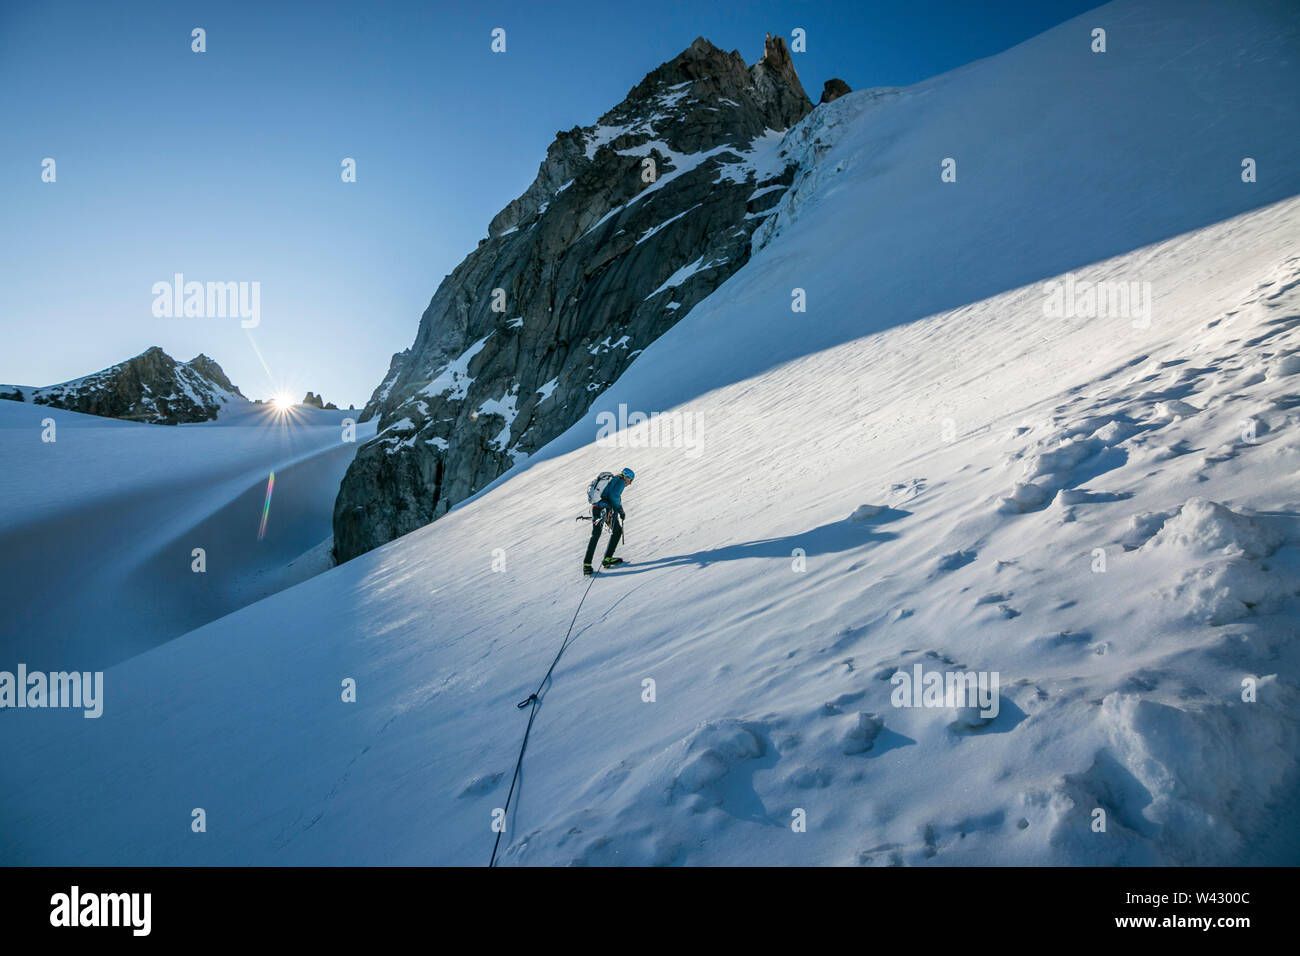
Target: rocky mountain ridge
[151,387]
[629,223]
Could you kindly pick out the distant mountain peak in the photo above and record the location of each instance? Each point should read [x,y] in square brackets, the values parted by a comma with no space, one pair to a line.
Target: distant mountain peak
[150,387]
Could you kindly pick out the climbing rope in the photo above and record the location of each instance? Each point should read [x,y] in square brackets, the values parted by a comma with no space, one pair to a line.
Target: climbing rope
[534,698]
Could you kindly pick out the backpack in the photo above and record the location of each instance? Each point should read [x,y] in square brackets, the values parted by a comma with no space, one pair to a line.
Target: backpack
[597,487]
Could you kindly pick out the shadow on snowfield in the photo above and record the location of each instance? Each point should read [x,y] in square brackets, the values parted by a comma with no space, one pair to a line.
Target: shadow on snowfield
[833,538]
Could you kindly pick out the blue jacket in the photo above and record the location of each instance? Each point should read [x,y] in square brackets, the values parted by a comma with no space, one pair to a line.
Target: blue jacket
[613,493]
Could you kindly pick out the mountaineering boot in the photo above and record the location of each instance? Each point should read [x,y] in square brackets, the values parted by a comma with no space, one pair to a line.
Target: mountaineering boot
[611,562]
[586,569]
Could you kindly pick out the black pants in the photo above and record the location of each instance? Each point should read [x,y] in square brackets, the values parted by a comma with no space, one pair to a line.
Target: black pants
[615,532]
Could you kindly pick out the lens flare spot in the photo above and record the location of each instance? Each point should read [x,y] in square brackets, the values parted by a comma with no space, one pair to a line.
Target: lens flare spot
[266,507]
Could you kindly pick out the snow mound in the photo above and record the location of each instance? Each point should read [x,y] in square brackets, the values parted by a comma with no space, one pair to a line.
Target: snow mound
[1211,528]
[1176,785]
[866,512]
[1216,555]
[712,750]
[1227,591]
[1284,366]
[860,733]
[1174,409]
[1025,496]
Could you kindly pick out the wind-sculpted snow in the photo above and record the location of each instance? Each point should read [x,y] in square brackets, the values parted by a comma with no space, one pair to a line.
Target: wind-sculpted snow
[1120,683]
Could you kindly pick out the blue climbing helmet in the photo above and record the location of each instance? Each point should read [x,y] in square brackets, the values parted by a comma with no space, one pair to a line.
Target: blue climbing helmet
[627,474]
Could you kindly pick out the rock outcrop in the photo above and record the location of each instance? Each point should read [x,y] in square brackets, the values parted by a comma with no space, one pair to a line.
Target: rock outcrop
[833,89]
[629,223]
[314,400]
[151,387]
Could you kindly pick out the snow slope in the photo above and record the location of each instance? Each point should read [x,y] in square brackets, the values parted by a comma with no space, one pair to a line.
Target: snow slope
[97,528]
[1005,455]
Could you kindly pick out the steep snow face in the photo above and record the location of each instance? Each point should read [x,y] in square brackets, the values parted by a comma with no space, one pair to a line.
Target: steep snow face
[1092,514]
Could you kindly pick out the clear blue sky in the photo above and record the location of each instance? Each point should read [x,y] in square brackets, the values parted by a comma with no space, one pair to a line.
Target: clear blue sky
[224,166]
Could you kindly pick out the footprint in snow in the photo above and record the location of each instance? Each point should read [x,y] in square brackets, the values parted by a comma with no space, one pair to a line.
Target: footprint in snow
[890,851]
[1001,600]
[953,561]
[811,778]
[1064,639]
[943,658]
[927,835]
[836,706]
[484,783]
[1144,681]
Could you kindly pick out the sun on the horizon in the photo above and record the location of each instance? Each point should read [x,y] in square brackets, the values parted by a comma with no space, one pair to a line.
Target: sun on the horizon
[282,401]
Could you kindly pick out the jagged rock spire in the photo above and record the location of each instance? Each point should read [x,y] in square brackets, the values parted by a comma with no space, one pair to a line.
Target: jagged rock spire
[628,224]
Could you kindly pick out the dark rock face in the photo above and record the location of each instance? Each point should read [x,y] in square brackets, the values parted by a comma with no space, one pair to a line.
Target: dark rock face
[212,372]
[314,400]
[833,89]
[628,225]
[152,387]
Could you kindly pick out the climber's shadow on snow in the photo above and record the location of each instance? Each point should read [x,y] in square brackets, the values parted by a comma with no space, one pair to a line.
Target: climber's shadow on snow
[833,538]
